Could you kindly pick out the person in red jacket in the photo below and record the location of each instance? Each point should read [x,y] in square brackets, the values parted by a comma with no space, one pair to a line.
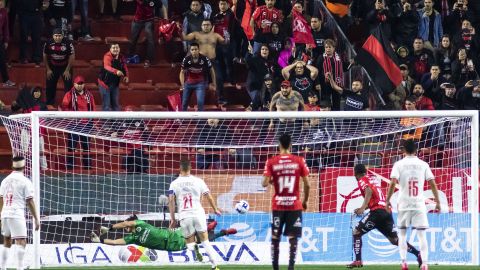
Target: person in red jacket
[79,99]
[114,71]
[423,102]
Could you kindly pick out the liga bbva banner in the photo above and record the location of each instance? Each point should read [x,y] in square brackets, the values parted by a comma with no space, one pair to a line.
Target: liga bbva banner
[326,238]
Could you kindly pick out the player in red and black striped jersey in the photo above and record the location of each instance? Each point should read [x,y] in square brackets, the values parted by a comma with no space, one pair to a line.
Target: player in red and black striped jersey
[378,217]
[284,172]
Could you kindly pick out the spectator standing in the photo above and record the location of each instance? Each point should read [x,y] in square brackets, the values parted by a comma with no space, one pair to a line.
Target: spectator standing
[287,100]
[406,25]
[58,57]
[208,40]
[431,82]
[330,62]
[275,41]
[463,69]
[262,102]
[302,77]
[258,66]
[459,13]
[79,99]
[193,18]
[58,15]
[85,27]
[430,28]
[422,102]
[196,69]
[320,34]
[469,96]
[224,24]
[144,18]
[114,71]
[101,9]
[468,39]
[4,38]
[380,15]
[449,98]
[31,23]
[444,56]
[261,22]
[355,99]
[421,59]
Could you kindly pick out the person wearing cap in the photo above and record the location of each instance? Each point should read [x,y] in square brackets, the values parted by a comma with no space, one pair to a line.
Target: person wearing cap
[355,99]
[262,101]
[79,99]
[58,57]
[449,98]
[397,97]
[302,77]
[284,101]
[16,194]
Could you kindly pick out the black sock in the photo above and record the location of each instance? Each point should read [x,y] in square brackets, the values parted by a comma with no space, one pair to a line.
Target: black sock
[293,252]
[357,247]
[412,249]
[275,253]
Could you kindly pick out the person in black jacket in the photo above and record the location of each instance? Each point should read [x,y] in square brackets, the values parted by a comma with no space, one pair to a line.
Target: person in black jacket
[406,25]
[469,96]
[258,66]
[31,22]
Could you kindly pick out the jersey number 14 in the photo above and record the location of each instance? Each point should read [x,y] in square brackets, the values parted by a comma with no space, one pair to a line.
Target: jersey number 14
[286,182]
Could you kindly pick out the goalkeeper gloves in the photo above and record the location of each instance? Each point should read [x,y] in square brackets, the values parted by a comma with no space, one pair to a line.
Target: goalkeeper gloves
[94,237]
[104,230]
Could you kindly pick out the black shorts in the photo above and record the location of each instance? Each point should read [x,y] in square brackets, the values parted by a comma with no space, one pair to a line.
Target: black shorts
[378,219]
[292,221]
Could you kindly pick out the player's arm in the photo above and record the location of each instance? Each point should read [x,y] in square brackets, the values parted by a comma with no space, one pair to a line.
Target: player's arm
[266,181]
[1,204]
[33,210]
[171,208]
[366,200]
[213,204]
[120,225]
[391,189]
[433,187]
[112,242]
[306,191]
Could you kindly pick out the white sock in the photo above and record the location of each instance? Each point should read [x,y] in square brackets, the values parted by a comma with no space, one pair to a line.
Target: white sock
[423,245]
[208,248]
[20,250]
[4,258]
[402,244]
[191,246]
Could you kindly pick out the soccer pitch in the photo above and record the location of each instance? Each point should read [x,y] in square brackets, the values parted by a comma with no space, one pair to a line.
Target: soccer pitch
[261,267]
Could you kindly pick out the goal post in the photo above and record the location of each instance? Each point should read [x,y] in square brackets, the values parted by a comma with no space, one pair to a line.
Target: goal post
[74,201]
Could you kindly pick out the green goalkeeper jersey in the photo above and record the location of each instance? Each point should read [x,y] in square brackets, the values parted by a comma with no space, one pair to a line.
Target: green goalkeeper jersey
[149,236]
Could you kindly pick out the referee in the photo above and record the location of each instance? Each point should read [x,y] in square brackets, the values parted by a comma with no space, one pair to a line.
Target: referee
[58,56]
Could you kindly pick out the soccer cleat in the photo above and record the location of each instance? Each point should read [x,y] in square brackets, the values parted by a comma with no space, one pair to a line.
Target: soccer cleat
[103,230]
[198,255]
[424,267]
[94,237]
[229,231]
[404,266]
[355,264]
[419,260]
[211,226]
[215,268]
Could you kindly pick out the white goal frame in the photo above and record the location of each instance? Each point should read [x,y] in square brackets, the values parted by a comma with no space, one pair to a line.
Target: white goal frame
[474,211]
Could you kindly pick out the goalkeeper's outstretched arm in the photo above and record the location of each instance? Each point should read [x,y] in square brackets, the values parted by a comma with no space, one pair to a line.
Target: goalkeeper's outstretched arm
[117,242]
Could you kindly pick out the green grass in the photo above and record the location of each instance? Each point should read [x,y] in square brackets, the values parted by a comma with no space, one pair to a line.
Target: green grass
[261,267]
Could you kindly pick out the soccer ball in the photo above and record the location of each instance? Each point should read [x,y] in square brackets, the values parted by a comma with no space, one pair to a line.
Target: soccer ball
[242,207]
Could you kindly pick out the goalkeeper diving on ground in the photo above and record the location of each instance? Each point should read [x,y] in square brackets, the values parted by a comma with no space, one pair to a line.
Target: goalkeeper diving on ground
[146,235]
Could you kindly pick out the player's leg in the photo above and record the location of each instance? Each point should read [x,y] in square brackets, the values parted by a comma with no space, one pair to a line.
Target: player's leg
[277,227]
[420,223]
[7,243]
[201,229]
[20,243]
[189,233]
[365,225]
[403,223]
[18,229]
[293,230]
[387,228]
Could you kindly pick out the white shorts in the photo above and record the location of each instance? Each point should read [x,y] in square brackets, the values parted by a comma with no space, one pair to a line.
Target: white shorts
[191,225]
[417,219]
[16,228]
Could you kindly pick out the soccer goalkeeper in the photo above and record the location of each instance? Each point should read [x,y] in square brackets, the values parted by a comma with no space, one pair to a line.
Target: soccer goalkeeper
[146,235]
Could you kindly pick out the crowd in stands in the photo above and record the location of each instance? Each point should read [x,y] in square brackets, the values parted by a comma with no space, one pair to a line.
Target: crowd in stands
[436,43]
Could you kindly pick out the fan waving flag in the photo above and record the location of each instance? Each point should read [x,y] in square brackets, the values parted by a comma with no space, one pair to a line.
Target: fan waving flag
[250,6]
[379,60]
[302,33]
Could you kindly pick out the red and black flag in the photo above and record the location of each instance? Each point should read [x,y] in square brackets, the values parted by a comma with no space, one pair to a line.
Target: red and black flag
[379,60]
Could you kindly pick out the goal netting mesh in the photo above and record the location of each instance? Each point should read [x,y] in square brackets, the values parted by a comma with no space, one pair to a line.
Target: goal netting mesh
[98,170]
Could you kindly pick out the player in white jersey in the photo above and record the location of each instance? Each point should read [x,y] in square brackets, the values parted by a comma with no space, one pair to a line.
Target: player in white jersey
[16,192]
[411,173]
[186,192]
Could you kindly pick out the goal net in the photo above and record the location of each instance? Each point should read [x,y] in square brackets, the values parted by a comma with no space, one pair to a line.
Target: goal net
[93,169]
